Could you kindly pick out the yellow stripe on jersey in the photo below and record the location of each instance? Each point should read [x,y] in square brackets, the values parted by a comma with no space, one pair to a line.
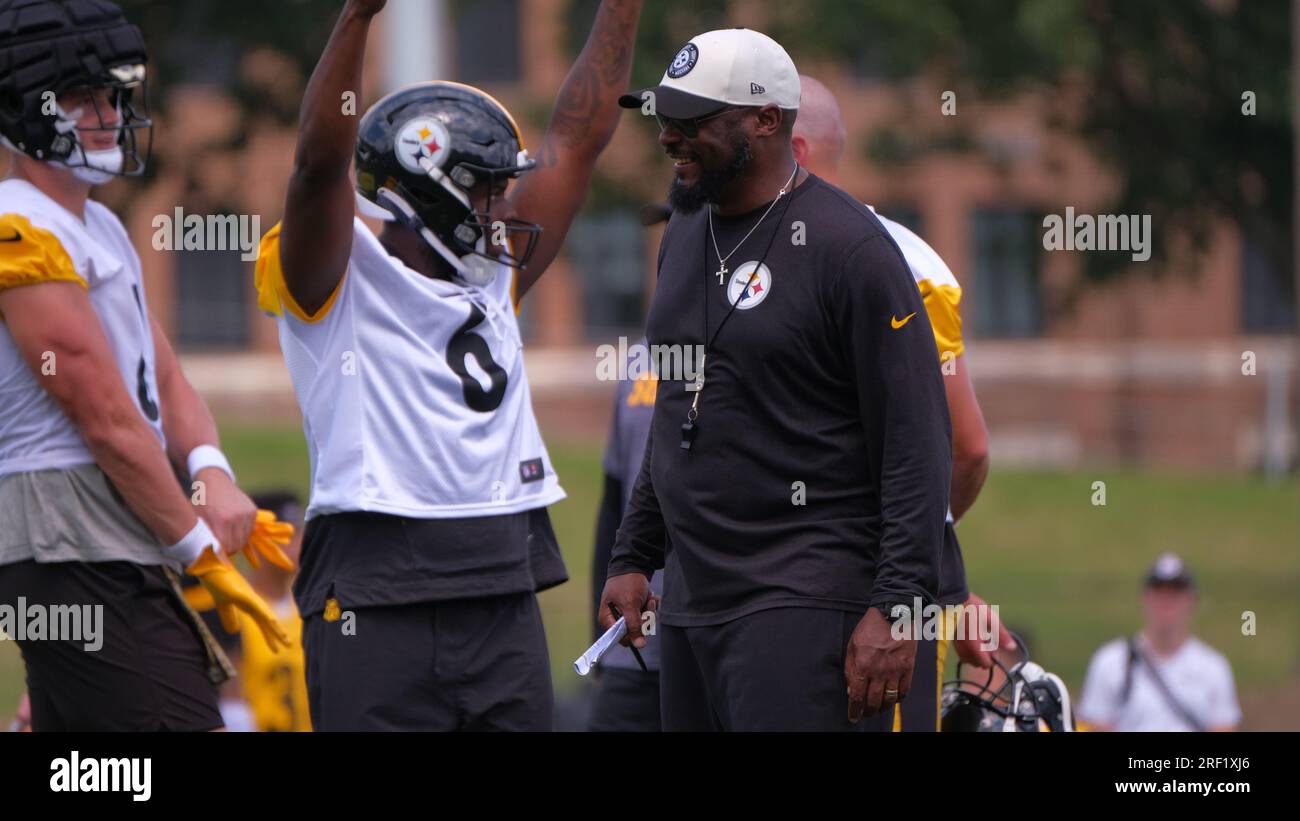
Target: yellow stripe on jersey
[31,255]
[941,303]
[272,293]
[942,650]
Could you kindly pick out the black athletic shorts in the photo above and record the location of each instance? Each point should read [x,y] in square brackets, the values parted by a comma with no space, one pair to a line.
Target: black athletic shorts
[464,664]
[150,669]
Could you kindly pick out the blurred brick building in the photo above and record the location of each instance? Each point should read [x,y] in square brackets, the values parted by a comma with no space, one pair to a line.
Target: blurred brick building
[1146,371]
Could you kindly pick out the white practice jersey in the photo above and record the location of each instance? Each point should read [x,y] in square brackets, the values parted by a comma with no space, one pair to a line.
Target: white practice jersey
[413,392]
[42,242]
[940,292]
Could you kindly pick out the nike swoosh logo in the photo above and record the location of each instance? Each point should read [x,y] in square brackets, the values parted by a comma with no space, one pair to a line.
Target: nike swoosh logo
[17,236]
[898,323]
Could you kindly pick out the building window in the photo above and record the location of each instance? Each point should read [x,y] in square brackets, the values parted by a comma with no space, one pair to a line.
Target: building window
[606,251]
[1267,295]
[212,299]
[487,41]
[1006,299]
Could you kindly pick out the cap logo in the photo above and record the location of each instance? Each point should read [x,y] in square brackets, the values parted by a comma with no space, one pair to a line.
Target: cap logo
[755,88]
[422,138]
[684,61]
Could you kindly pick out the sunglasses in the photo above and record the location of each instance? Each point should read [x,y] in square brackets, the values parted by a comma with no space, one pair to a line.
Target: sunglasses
[690,128]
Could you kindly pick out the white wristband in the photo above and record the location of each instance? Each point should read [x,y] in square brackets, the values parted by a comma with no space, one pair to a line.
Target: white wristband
[206,456]
[188,549]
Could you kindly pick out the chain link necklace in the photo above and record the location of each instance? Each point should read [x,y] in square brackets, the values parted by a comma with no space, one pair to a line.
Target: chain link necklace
[722,261]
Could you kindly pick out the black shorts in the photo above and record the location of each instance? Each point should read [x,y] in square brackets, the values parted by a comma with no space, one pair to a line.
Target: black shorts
[627,701]
[464,664]
[780,669]
[150,669]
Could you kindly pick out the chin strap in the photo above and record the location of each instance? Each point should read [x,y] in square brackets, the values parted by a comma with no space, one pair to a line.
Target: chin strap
[96,167]
[473,269]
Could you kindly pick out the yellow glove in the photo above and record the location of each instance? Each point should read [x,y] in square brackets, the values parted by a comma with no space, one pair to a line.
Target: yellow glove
[268,536]
[232,593]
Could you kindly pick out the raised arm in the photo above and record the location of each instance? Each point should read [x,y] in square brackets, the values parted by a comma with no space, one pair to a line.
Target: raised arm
[316,235]
[582,123]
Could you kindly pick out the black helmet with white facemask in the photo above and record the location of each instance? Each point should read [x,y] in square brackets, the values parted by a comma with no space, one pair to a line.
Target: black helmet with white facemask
[53,50]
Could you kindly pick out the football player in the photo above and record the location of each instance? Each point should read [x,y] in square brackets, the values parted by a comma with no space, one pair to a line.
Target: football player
[818,143]
[274,685]
[98,419]
[427,533]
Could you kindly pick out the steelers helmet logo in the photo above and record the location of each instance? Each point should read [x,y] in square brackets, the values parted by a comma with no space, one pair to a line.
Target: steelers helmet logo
[422,138]
[684,61]
[750,284]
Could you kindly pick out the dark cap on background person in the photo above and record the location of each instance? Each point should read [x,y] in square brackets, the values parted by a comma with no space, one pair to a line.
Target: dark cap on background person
[726,67]
[1169,569]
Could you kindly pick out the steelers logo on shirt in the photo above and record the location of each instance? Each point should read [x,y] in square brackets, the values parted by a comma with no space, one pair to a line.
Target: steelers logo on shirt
[422,138]
[749,287]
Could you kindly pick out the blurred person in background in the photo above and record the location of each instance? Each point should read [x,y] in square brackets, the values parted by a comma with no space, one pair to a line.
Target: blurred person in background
[274,685]
[819,141]
[1163,679]
[269,691]
[627,697]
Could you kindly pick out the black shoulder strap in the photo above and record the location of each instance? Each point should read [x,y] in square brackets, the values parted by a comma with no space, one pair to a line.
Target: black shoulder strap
[1128,673]
[1137,654]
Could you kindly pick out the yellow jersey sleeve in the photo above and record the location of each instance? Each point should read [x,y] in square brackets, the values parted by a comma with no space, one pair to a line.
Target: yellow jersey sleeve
[942,306]
[268,277]
[31,255]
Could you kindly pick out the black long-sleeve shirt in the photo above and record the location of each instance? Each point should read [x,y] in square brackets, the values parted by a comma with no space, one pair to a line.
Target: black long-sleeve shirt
[820,468]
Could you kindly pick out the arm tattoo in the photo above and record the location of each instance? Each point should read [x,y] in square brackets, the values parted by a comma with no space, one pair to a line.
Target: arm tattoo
[594,82]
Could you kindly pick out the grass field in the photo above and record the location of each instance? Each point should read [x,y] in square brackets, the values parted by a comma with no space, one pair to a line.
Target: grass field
[1064,571]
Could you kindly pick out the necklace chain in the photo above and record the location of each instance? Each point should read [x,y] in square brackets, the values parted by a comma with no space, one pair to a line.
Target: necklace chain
[722,261]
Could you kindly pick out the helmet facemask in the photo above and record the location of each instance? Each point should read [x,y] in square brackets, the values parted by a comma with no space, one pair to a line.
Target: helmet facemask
[126,158]
[460,233]
[1029,699]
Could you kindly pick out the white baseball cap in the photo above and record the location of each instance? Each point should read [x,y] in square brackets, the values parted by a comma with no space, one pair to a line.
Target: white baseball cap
[738,66]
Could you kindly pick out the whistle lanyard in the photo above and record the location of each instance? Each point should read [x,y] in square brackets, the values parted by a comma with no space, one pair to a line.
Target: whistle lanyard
[690,429]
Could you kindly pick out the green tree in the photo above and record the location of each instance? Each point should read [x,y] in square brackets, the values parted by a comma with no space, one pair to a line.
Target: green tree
[1160,89]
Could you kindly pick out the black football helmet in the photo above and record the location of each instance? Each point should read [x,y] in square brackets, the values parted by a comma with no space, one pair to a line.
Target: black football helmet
[51,47]
[422,149]
[1028,700]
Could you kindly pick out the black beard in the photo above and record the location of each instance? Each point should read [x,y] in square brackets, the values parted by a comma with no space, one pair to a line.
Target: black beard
[690,198]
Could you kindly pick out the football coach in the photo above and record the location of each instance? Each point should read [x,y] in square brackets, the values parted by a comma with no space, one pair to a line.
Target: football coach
[794,491]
